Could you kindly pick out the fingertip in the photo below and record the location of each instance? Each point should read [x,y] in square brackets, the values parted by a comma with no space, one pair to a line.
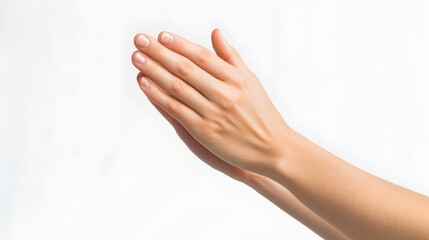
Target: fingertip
[139,78]
[215,31]
[144,82]
[133,56]
[160,35]
[213,35]
[135,38]
[220,46]
[219,34]
[166,38]
[139,75]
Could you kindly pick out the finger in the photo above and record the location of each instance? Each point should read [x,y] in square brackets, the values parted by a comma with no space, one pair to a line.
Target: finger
[173,85]
[226,51]
[198,54]
[166,115]
[180,66]
[179,111]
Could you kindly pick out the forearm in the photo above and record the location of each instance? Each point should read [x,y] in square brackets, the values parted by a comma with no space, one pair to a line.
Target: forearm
[281,197]
[357,203]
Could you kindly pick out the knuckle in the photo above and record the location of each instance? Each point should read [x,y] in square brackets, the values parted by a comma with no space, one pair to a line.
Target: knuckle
[203,56]
[149,67]
[210,131]
[178,86]
[173,106]
[216,112]
[184,67]
[239,83]
[227,103]
[154,46]
[231,101]
[236,79]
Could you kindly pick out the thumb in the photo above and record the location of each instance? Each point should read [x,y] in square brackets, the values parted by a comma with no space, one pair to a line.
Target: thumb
[226,51]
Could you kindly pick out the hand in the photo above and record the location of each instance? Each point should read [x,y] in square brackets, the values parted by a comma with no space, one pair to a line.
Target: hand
[202,153]
[220,102]
[224,51]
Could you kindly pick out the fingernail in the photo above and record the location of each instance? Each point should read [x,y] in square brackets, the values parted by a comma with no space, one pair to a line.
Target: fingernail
[140,59]
[142,41]
[167,38]
[144,82]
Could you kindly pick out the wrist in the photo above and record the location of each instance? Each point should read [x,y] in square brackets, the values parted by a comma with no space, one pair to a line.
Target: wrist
[295,153]
[292,159]
[249,178]
[258,182]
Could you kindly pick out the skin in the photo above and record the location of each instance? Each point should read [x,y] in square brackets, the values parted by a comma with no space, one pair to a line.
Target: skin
[221,111]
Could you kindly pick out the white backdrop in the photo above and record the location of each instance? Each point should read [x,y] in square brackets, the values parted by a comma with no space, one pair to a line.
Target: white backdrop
[83,154]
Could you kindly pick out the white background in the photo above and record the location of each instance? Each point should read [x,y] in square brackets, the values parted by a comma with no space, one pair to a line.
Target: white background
[83,154]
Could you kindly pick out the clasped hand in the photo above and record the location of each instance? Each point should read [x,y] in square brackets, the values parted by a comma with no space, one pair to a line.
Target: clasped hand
[214,97]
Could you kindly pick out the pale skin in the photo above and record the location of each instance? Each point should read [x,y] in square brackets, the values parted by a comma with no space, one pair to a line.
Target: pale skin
[220,110]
